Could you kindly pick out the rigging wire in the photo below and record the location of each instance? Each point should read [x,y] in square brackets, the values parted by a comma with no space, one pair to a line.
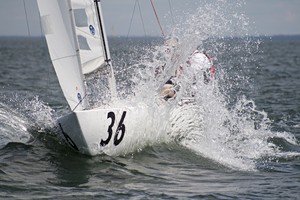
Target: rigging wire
[131,18]
[141,16]
[26,15]
[30,34]
[155,13]
[162,31]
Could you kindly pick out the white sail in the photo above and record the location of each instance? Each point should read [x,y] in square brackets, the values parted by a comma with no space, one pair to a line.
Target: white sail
[76,41]
[57,22]
[92,49]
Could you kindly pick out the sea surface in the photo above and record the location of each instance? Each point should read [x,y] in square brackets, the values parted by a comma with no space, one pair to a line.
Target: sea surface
[250,136]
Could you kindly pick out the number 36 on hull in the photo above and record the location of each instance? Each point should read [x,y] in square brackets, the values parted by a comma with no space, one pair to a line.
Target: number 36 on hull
[102,130]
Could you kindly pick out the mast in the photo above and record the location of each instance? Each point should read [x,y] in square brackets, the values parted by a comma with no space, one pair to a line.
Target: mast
[106,50]
[111,78]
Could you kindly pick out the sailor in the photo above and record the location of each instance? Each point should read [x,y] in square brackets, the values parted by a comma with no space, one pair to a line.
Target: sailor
[169,89]
[199,63]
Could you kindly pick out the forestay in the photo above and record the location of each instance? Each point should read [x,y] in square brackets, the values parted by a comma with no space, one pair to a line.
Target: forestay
[75,44]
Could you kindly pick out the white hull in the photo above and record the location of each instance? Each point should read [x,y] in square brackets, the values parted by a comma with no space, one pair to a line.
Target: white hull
[112,131]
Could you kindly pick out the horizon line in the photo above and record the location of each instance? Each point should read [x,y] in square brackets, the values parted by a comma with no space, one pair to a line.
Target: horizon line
[158,36]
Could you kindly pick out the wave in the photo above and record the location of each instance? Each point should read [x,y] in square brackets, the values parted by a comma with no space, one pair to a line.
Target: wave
[20,115]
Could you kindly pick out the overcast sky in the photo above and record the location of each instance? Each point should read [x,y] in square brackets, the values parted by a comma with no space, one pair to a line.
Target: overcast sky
[267,17]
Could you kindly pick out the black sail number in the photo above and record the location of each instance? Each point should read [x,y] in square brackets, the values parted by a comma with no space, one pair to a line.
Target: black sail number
[120,130]
[110,132]
[121,127]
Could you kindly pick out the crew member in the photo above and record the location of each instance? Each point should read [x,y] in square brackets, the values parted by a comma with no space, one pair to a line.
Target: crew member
[199,63]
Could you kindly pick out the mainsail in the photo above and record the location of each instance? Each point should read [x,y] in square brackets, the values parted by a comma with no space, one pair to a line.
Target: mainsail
[76,42]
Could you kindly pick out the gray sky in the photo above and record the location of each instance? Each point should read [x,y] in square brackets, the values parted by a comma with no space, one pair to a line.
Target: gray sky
[267,17]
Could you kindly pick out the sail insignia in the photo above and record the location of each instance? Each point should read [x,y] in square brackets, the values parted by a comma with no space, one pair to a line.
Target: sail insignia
[92,29]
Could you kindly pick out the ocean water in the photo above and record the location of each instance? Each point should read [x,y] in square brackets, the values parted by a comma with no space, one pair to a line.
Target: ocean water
[238,139]
[248,147]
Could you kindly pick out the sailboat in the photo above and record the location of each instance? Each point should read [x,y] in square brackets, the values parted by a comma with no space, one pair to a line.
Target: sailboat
[77,44]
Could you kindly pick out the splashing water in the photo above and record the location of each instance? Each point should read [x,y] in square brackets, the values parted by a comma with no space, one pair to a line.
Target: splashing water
[21,116]
[236,136]
[219,123]
[11,121]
